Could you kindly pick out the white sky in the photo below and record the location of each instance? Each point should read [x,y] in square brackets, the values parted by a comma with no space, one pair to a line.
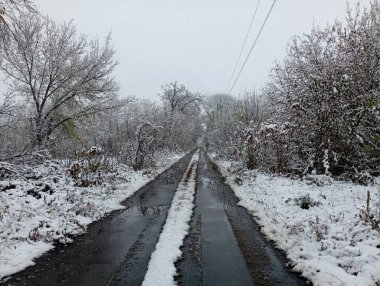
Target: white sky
[194,42]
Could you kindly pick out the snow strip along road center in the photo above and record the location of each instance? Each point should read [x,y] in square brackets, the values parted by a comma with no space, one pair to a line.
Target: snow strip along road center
[161,269]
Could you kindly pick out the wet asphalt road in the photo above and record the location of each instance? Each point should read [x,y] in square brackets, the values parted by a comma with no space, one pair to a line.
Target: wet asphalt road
[224,246]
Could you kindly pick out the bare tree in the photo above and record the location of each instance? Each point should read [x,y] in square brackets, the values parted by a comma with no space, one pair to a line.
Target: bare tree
[7,109]
[15,3]
[228,123]
[178,98]
[61,75]
[146,144]
[9,7]
[181,112]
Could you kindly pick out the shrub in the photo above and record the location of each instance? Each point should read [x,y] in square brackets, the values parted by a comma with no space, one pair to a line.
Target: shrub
[87,169]
[306,202]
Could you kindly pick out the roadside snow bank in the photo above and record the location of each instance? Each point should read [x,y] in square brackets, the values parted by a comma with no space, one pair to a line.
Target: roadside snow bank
[42,206]
[329,243]
[161,268]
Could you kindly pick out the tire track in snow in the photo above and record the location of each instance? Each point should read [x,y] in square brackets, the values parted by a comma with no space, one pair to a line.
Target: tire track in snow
[161,268]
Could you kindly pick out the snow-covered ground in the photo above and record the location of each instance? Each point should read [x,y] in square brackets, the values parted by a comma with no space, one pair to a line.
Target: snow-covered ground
[161,268]
[43,205]
[329,243]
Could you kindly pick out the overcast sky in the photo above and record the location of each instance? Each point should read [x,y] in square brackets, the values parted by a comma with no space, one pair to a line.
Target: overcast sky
[193,42]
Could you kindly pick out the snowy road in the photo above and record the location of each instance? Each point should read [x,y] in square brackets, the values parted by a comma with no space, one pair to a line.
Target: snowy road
[224,245]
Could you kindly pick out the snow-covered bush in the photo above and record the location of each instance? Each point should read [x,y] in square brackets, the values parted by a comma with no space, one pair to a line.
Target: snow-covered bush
[320,112]
[306,202]
[318,228]
[87,169]
[146,137]
[228,120]
[328,89]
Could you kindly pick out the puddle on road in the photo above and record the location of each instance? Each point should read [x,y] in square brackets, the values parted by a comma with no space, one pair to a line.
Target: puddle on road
[149,203]
[135,211]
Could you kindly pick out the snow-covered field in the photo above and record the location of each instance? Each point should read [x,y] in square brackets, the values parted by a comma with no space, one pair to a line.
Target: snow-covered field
[329,243]
[43,205]
[161,268]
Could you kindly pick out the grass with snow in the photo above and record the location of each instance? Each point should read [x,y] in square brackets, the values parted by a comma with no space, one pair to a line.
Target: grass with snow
[317,221]
[42,205]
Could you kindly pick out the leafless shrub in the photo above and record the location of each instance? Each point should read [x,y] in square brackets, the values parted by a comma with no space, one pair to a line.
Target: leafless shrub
[369,216]
[318,228]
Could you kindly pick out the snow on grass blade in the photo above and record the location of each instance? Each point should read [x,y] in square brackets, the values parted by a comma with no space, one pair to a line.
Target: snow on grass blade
[161,268]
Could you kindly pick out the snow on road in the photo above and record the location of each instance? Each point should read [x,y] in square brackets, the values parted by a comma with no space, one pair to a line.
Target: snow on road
[161,268]
[41,206]
[328,243]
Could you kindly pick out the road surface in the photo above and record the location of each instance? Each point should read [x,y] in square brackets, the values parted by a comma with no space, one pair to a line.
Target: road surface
[224,246]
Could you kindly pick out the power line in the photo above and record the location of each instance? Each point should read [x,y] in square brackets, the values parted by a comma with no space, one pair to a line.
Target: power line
[242,47]
[254,44]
